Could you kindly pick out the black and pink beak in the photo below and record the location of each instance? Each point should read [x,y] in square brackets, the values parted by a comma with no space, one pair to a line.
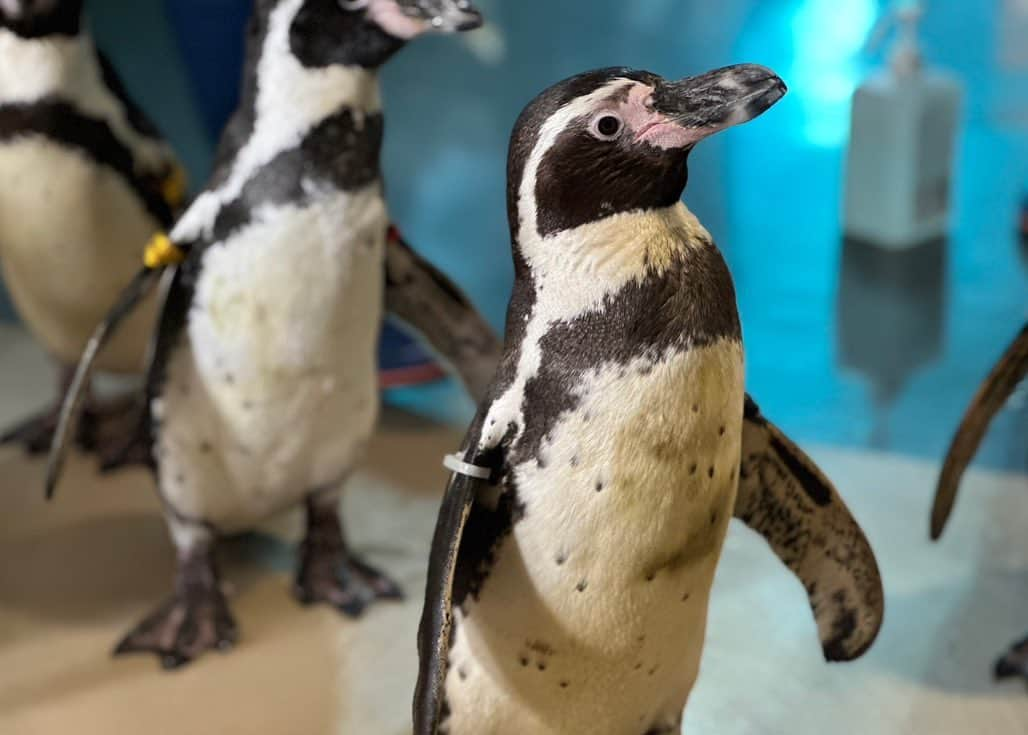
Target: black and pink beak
[711,102]
[446,16]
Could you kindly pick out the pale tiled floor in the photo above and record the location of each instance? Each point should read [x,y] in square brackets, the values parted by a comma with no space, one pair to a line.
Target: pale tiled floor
[77,573]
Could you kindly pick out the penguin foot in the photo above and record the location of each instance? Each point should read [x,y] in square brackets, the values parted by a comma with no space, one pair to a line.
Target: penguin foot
[116,431]
[348,584]
[196,619]
[1014,662]
[331,574]
[35,434]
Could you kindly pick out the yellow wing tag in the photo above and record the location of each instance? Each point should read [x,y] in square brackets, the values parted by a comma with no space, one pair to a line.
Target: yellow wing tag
[174,186]
[161,252]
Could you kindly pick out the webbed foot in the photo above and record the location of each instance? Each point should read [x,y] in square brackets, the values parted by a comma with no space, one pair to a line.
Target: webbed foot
[332,574]
[196,619]
[1014,663]
[34,434]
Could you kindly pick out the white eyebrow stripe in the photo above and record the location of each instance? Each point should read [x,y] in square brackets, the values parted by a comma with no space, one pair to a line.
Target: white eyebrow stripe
[548,134]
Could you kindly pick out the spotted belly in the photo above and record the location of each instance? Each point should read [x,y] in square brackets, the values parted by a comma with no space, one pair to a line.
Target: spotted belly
[592,617]
[273,393]
[71,238]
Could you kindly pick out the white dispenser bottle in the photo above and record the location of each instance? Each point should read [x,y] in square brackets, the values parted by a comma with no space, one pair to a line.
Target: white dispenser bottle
[902,142]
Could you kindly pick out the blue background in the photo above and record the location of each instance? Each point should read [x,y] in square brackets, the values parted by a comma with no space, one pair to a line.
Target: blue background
[846,345]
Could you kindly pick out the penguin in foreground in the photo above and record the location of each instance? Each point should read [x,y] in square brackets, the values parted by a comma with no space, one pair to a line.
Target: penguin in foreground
[86,179]
[994,392]
[577,541]
[263,386]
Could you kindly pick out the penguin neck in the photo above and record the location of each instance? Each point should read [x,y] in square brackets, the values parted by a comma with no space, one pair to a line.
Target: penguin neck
[602,256]
[283,99]
[37,68]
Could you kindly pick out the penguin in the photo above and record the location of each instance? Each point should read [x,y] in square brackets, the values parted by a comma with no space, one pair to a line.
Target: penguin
[263,380]
[576,544]
[87,179]
[1000,384]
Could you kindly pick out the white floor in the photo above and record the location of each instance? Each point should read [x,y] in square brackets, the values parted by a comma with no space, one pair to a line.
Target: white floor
[77,573]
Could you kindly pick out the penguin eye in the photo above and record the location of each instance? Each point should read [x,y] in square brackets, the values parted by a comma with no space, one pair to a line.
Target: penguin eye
[352,5]
[607,126]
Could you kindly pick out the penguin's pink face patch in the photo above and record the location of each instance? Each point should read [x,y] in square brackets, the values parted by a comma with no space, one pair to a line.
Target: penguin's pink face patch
[389,16]
[407,19]
[633,115]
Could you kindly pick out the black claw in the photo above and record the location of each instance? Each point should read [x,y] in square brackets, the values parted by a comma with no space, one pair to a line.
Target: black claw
[171,661]
[1014,663]
[353,609]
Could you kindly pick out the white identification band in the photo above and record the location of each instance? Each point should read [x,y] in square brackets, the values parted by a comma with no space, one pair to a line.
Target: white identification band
[454,463]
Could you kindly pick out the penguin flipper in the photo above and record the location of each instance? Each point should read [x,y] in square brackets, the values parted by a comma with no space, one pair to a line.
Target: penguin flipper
[169,180]
[437,615]
[422,297]
[786,498]
[71,407]
[993,393]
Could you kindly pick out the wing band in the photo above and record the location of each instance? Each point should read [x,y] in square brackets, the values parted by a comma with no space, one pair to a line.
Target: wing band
[454,463]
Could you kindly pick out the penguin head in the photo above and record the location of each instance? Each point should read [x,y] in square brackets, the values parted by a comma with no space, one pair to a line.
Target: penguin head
[41,18]
[368,32]
[617,140]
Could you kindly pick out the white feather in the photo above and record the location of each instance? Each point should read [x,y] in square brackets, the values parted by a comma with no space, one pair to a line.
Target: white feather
[291,99]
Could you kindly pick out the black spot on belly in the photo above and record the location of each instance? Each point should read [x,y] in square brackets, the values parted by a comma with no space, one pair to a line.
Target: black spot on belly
[574,461]
[541,666]
[205,447]
[721,431]
[463,674]
[695,408]
[599,486]
[582,585]
[710,472]
[561,558]
[692,468]
[541,647]
[713,518]
[685,597]
[523,661]
[565,684]
[230,378]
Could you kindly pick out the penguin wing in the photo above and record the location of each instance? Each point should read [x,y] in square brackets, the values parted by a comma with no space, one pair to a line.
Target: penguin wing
[71,407]
[136,117]
[169,180]
[427,301]
[466,532]
[994,392]
[437,615]
[785,498]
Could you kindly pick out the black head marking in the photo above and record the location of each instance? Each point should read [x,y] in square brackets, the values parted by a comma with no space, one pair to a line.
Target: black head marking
[625,150]
[327,32]
[530,123]
[41,18]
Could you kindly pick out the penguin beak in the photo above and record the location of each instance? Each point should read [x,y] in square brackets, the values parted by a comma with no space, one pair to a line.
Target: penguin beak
[447,16]
[711,102]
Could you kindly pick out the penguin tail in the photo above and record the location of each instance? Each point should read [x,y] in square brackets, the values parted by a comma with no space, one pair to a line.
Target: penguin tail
[138,289]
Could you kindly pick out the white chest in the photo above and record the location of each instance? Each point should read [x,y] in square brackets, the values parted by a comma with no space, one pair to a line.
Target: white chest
[596,606]
[71,234]
[279,374]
